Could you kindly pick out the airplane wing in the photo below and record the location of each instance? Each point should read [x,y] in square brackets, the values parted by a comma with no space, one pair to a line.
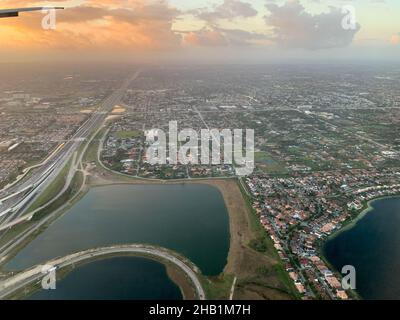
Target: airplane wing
[15,12]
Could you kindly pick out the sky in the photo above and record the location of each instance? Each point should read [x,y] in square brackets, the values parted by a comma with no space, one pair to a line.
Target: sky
[232,31]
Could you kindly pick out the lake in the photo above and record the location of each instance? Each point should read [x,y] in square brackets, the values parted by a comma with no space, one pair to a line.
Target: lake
[121,278]
[191,219]
[372,246]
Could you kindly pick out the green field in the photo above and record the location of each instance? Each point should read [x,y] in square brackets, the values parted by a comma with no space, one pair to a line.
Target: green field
[268,164]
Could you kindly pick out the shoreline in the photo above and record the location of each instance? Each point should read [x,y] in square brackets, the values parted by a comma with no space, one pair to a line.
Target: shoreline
[241,231]
[227,186]
[348,225]
[242,262]
[173,273]
[231,195]
[100,176]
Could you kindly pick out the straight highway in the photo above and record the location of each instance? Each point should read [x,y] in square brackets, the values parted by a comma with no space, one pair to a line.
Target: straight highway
[16,200]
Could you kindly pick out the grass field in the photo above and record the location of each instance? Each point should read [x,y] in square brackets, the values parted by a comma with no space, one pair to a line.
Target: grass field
[274,273]
[53,189]
[268,164]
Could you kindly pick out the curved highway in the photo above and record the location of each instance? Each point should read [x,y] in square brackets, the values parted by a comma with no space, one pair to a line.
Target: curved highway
[20,280]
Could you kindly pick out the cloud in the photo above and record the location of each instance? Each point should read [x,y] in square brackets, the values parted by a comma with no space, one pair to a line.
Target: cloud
[132,24]
[214,35]
[205,37]
[293,27]
[144,28]
[217,37]
[395,39]
[229,9]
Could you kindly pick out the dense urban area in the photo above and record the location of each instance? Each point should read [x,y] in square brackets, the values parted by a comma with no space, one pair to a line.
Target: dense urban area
[326,140]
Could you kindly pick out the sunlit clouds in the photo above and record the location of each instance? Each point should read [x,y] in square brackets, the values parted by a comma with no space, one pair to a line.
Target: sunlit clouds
[395,39]
[143,27]
[98,24]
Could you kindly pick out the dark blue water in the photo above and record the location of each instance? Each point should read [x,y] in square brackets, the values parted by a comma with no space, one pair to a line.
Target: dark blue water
[190,219]
[121,278]
[372,246]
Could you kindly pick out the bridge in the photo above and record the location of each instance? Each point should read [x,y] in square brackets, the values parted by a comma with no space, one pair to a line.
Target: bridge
[30,276]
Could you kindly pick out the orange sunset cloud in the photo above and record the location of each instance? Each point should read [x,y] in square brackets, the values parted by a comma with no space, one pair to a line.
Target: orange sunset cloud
[142,27]
[138,24]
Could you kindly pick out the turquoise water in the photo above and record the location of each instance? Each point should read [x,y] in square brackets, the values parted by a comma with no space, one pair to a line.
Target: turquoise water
[190,219]
[372,246]
[121,278]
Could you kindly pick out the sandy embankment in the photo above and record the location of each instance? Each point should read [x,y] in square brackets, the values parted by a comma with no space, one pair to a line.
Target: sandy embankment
[240,232]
